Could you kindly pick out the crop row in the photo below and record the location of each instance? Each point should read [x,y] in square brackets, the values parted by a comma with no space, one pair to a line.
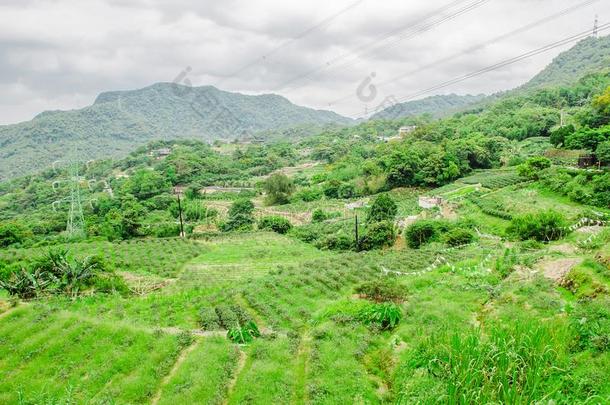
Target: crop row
[494,180]
[157,256]
[490,207]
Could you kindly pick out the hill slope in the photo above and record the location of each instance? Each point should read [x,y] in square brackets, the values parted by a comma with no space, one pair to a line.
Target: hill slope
[589,55]
[438,106]
[120,121]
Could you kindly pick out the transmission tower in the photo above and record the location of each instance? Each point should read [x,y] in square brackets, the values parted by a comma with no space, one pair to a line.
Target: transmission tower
[76,219]
[596,27]
[75,226]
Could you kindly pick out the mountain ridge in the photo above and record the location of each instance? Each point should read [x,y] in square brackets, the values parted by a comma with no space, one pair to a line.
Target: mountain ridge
[119,121]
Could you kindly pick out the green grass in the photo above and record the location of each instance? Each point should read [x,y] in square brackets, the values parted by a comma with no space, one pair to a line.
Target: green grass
[268,374]
[204,376]
[50,357]
[469,333]
[162,257]
[244,256]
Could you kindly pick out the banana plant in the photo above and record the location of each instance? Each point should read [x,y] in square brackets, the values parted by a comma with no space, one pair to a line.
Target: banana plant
[244,334]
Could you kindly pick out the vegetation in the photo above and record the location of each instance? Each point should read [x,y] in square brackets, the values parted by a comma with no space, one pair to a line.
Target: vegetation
[118,122]
[544,226]
[309,271]
[240,216]
[278,188]
[275,223]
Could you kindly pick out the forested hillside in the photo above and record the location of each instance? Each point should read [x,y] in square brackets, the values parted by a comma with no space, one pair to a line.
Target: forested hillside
[589,55]
[436,106]
[120,121]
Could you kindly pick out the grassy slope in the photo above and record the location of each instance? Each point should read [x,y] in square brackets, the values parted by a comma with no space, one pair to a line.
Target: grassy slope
[465,325]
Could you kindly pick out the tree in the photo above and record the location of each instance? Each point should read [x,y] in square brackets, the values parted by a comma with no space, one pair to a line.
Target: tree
[146,183]
[12,233]
[382,209]
[241,216]
[558,136]
[602,103]
[378,235]
[124,222]
[420,233]
[603,152]
[532,167]
[278,187]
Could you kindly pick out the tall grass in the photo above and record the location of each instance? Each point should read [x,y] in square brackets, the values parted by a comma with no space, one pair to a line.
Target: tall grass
[520,363]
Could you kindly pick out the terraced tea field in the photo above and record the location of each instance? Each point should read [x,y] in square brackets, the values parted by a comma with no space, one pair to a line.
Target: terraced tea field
[464,305]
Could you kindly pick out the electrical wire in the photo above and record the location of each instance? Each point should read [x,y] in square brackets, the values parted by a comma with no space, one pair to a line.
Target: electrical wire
[496,66]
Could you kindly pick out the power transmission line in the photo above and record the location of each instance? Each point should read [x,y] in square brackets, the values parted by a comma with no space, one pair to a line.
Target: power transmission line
[501,64]
[482,45]
[265,57]
[412,30]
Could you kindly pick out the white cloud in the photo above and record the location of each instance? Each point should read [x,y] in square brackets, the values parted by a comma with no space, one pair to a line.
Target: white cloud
[59,54]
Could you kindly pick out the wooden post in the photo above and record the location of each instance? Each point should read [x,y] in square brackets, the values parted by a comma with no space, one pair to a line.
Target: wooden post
[356,233]
[180,214]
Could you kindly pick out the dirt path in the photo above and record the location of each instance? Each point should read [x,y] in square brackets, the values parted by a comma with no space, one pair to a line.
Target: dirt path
[557,269]
[302,370]
[8,311]
[243,357]
[183,355]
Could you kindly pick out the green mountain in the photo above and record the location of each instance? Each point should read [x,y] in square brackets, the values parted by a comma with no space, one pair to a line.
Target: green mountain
[119,121]
[437,106]
[587,56]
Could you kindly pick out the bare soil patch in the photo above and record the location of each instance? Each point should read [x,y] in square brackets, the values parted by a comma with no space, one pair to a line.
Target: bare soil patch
[557,269]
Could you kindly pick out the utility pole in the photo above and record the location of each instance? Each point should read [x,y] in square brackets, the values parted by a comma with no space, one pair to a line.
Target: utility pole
[563,121]
[596,27]
[180,214]
[356,233]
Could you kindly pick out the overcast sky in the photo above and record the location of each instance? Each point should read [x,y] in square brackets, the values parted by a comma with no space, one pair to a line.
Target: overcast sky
[59,54]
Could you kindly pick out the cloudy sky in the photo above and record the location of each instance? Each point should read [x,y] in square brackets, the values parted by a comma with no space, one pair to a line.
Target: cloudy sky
[344,55]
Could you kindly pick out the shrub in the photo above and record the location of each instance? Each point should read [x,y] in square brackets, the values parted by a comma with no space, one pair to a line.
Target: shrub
[543,226]
[278,187]
[275,223]
[591,322]
[319,216]
[458,237]
[601,190]
[382,209]
[12,233]
[208,319]
[532,167]
[384,316]
[559,135]
[420,233]
[603,153]
[378,235]
[336,242]
[331,188]
[56,272]
[240,216]
[227,318]
[309,194]
[346,190]
[384,290]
